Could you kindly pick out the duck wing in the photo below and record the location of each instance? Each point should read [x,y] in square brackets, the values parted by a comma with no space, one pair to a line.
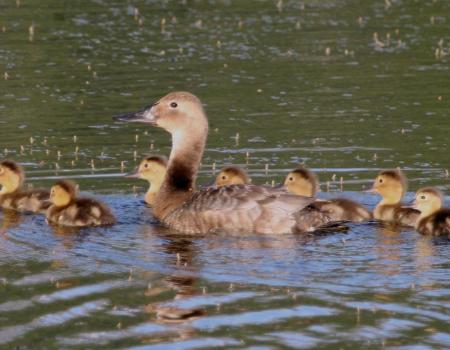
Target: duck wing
[238,209]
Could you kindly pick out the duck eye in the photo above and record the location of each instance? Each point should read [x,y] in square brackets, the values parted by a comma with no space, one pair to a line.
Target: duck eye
[145,165]
[291,179]
[380,181]
[422,197]
[224,177]
[174,105]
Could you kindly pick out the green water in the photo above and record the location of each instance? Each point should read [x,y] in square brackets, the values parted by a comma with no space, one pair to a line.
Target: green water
[298,81]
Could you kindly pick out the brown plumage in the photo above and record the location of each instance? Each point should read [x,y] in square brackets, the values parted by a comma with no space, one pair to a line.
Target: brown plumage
[434,220]
[392,185]
[68,210]
[12,196]
[230,209]
[153,169]
[304,182]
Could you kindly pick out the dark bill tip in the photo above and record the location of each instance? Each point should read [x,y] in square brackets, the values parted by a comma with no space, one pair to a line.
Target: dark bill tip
[142,116]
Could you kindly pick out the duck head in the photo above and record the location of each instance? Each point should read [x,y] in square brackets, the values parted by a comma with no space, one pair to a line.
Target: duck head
[302,182]
[11,176]
[391,185]
[232,176]
[428,201]
[63,193]
[175,112]
[153,169]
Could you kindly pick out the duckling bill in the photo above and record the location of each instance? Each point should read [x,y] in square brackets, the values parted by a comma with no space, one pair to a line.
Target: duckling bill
[12,196]
[68,210]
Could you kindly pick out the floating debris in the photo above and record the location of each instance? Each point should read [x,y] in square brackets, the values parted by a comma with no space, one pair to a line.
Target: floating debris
[31,32]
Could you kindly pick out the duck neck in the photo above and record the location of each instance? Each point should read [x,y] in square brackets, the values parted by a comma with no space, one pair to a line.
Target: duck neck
[179,183]
[154,188]
[393,197]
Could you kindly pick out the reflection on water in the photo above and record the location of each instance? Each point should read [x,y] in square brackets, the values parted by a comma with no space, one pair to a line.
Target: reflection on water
[283,82]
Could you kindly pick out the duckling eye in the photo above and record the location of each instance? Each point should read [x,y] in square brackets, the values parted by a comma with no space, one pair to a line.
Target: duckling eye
[174,105]
[380,181]
[423,197]
[291,179]
[145,165]
[224,177]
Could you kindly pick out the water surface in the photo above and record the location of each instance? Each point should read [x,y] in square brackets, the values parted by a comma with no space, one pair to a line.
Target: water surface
[283,82]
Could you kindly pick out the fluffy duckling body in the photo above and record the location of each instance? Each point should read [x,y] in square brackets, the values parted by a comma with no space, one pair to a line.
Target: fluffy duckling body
[12,196]
[392,185]
[68,210]
[433,220]
[153,169]
[303,182]
[229,209]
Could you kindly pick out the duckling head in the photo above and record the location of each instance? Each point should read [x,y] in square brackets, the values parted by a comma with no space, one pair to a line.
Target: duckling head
[428,201]
[232,176]
[302,182]
[176,112]
[153,169]
[63,193]
[12,176]
[391,185]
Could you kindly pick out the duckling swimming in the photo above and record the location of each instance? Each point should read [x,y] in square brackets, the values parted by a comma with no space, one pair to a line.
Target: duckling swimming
[232,175]
[68,210]
[303,182]
[230,209]
[433,220]
[13,197]
[153,169]
[392,186]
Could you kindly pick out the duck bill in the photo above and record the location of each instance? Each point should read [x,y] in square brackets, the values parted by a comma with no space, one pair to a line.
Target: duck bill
[133,174]
[144,115]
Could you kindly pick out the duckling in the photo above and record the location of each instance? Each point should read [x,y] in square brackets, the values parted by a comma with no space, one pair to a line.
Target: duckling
[232,175]
[433,220]
[12,196]
[392,185]
[303,182]
[229,209]
[68,210]
[153,169]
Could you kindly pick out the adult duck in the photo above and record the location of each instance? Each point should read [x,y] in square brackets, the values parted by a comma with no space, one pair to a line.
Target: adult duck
[228,209]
